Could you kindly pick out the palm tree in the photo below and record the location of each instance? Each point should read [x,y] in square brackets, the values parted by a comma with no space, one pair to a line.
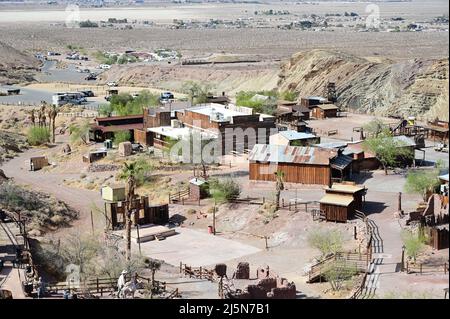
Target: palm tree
[154,265]
[279,187]
[52,116]
[130,187]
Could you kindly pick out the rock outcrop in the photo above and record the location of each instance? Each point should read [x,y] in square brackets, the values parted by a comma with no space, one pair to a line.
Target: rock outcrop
[377,85]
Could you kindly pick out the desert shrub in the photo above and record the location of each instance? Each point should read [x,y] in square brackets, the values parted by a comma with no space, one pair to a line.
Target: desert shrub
[39,210]
[338,272]
[123,136]
[86,254]
[414,243]
[327,241]
[38,135]
[422,182]
[224,190]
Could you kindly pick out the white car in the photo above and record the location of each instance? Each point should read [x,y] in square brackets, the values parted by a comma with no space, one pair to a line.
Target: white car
[104,66]
[111,83]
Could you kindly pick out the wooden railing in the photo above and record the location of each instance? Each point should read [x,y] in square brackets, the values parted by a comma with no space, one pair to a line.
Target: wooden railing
[197,272]
[421,268]
[359,291]
[179,196]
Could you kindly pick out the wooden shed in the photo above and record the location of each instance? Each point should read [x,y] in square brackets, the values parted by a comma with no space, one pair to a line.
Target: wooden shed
[337,207]
[438,237]
[113,193]
[198,189]
[38,162]
[322,111]
[305,165]
[145,213]
[358,192]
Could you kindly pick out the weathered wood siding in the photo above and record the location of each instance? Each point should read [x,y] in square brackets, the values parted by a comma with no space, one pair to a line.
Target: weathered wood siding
[335,213]
[293,173]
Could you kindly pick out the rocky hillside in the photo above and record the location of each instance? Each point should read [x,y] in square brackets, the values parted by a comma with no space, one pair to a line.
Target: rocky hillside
[228,78]
[413,87]
[16,66]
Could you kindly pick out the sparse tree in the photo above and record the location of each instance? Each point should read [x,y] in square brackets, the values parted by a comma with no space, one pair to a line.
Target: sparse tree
[375,127]
[79,132]
[338,272]
[327,241]
[422,182]
[197,92]
[414,243]
[154,265]
[390,152]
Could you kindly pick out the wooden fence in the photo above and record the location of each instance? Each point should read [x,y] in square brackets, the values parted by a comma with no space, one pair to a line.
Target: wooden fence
[421,268]
[197,272]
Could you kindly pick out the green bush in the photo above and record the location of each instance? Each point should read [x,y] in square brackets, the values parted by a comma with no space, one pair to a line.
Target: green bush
[123,136]
[38,135]
[224,191]
[326,241]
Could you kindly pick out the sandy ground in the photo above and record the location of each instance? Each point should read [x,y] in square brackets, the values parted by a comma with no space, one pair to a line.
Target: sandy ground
[239,226]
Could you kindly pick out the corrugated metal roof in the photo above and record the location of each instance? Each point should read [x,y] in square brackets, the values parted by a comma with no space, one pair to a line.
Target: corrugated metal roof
[291,154]
[293,135]
[407,141]
[335,199]
[341,162]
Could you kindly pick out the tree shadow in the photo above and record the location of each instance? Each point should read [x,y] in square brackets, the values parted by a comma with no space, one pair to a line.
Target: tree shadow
[176,219]
[370,207]
[361,177]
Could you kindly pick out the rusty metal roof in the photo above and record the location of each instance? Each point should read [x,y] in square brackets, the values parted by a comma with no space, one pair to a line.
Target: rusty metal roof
[291,154]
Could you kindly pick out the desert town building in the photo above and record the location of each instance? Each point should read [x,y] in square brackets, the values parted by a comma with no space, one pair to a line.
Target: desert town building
[235,128]
[305,165]
[294,138]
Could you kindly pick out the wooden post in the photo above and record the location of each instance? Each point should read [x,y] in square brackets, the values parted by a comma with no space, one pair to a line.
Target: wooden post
[403,259]
[92,223]
[138,238]
[282,202]
[214,220]
[200,272]
[445,268]
[97,285]
[354,233]
[181,267]
[421,269]
[265,239]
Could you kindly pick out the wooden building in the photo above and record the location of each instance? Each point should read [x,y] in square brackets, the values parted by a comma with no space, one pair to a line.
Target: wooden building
[305,165]
[37,162]
[198,189]
[323,111]
[105,127]
[341,201]
[144,214]
[337,207]
[236,129]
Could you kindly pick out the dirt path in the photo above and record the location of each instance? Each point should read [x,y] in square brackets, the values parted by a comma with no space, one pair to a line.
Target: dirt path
[81,200]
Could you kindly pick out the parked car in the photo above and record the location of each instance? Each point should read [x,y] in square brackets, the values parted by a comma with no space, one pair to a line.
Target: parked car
[87,93]
[166,96]
[91,77]
[104,66]
[111,84]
